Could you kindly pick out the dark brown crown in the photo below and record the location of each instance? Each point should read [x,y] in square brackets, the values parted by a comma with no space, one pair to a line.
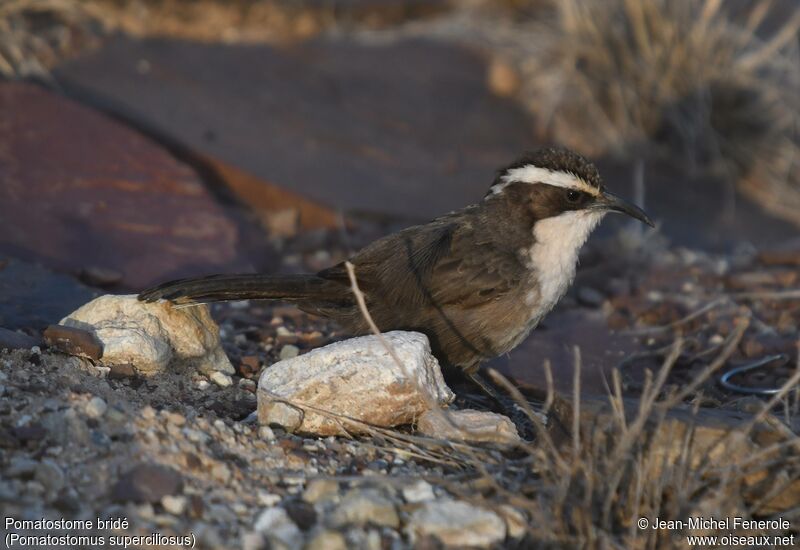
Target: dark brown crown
[557,160]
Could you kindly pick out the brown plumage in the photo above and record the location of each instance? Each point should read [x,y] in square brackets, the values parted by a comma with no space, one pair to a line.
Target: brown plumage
[464,279]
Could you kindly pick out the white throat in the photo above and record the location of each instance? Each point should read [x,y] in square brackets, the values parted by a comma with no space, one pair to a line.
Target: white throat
[554,255]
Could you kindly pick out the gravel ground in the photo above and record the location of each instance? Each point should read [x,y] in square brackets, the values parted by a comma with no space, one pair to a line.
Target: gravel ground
[176,454]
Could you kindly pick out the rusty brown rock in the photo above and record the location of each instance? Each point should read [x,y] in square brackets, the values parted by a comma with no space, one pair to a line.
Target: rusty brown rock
[780,257]
[424,136]
[281,211]
[106,197]
[73,341]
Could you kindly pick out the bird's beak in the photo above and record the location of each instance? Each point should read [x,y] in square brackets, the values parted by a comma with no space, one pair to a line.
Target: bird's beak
[609,201]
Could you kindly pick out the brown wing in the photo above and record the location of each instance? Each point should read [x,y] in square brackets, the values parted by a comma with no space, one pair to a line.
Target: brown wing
[452,261]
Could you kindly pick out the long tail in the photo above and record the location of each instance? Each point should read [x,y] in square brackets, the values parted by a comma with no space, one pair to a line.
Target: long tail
[219,288]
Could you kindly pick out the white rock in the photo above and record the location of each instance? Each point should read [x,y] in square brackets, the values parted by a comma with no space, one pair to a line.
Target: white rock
[355,378]
[365,507]
[266,433]
[321,489]
[419,491]
[326,539]
[95,408]
[173,504]
[268,499]
[220,379]
[457,523]
[289,351]
[275,523]
[152,336]
[468,425]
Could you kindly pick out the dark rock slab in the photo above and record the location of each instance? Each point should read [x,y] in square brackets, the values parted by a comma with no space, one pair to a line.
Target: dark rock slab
[695,210]
[405,128]
[33,297]
[80,192]
[555,339]
[10,339]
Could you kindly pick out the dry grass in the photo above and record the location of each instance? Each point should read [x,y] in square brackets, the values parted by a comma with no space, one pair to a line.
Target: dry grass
[683,78]
[35,34]
[590,488]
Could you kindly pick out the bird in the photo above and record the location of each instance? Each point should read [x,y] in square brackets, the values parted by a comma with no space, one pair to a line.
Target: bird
[475,281]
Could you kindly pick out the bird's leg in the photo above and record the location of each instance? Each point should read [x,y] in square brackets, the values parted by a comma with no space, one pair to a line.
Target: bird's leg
[481,382]
[507,406]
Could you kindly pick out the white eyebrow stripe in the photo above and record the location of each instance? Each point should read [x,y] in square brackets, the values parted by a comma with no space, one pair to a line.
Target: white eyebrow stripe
[534,174]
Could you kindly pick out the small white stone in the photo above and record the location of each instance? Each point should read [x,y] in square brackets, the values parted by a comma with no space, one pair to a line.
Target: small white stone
[95,407]
[195,436]
[268,499]
[289,351]
[202,384]
[174,504]
[221,379]
[365,507]
[266,433]
[457,523]
[419,491]
[276,523]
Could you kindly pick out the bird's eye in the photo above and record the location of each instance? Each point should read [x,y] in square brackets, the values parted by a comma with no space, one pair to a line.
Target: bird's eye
[573,196]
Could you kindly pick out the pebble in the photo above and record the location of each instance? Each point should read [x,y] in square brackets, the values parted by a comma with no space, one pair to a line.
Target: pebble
[367,506]
[289,351]
[146,483]
[275,523]
[202,385]
[268,499]
[195,436]
[175,418]
[220,379]
[50,475]
[253,540]
[590,297]
[327,539]
[321,489]
[221,472]
[266,433]
[95,408]
[175,505]
[20,466]
[457,523]
[285,336]
[419,491]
